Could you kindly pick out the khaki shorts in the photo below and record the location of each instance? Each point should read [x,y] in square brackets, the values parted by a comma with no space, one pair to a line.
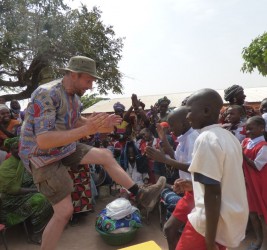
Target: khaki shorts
[53,180]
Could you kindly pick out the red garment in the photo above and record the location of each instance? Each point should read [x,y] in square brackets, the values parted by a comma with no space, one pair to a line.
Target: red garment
[142,146]
[256,183]
[119,145]
[192,240]
[81,196]
[8,155]
[184,206]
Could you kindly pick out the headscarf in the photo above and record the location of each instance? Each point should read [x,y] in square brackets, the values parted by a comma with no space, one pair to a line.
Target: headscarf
[164,99]
[11,142]
[11,170]
[3,106]
[184,101]
[124,157]
[231,92]
[118,106]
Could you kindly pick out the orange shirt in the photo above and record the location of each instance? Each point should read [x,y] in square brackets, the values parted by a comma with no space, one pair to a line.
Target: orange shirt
[9,128]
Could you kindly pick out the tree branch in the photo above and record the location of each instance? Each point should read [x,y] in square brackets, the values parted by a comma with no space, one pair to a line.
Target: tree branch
[25,94]
[9,84]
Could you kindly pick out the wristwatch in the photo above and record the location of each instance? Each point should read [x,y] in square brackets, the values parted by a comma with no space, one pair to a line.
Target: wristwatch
[140,108]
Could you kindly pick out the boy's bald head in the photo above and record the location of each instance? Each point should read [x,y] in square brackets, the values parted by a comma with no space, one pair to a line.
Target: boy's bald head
[178,114]
[207,97]
[206,104]
[178,122]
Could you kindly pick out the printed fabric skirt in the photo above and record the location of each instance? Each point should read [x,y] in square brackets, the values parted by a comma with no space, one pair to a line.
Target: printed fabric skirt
[82,197]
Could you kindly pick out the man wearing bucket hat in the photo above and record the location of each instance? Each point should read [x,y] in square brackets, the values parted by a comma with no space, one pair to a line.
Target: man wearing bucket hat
[51,129]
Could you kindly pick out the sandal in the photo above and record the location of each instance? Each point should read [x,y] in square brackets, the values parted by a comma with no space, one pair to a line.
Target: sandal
[253,246]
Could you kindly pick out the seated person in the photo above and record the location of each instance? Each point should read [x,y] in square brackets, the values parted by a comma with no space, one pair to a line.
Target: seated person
[8,126]
[134,163]
[15,110]
[20,198]
[124,130]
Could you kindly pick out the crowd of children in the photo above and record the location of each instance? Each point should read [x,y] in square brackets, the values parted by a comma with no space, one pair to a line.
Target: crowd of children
[214,159]
[209,159]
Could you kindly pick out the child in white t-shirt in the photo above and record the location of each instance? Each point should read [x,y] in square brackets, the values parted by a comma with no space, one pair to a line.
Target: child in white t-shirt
[220,215]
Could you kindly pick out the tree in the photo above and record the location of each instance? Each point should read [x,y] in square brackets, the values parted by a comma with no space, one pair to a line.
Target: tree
[255,55]
[90,100]
[39,37]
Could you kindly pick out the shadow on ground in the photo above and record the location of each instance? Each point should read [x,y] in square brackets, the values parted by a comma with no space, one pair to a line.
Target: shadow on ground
[83,236]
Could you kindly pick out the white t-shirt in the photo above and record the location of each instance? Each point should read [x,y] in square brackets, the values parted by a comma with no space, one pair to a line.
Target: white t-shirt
[137,177]
[217,154]
[184,150]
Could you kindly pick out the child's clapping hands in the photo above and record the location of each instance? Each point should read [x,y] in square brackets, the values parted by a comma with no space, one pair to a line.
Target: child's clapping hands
[182,185]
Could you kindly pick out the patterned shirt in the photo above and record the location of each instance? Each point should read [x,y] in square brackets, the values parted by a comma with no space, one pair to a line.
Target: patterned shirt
[50,109]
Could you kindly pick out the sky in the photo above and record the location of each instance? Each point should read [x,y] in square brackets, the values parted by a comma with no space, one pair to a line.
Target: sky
[176,46]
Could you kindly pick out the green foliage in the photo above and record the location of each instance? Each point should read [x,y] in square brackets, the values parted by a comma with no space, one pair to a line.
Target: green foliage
[255,55]
[39,37]
[90,100]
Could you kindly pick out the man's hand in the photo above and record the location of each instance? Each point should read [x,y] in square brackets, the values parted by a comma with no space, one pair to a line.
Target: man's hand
[103,122]
[182,185]
[109,123]
[155,154]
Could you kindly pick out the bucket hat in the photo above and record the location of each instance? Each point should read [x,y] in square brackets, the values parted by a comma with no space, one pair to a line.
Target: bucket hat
[82,64]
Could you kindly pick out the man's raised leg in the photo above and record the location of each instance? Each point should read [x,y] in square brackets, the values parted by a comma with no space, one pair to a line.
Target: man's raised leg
[146,196]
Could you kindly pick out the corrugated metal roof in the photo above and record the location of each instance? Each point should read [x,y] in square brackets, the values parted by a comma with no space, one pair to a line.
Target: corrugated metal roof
[253,95]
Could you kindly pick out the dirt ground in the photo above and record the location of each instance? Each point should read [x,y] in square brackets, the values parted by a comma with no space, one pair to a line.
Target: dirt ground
[83,236]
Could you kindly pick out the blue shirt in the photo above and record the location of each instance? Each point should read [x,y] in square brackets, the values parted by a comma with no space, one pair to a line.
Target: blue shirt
[50,109]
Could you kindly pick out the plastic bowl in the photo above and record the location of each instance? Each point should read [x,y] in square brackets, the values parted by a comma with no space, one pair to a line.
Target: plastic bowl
[117,239]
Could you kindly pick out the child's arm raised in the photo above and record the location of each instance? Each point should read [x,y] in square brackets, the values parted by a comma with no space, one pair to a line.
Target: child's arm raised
[156,155]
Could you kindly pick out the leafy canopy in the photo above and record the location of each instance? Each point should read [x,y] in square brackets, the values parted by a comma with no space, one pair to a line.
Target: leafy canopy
[39,37]
[255,55]
[90,100]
